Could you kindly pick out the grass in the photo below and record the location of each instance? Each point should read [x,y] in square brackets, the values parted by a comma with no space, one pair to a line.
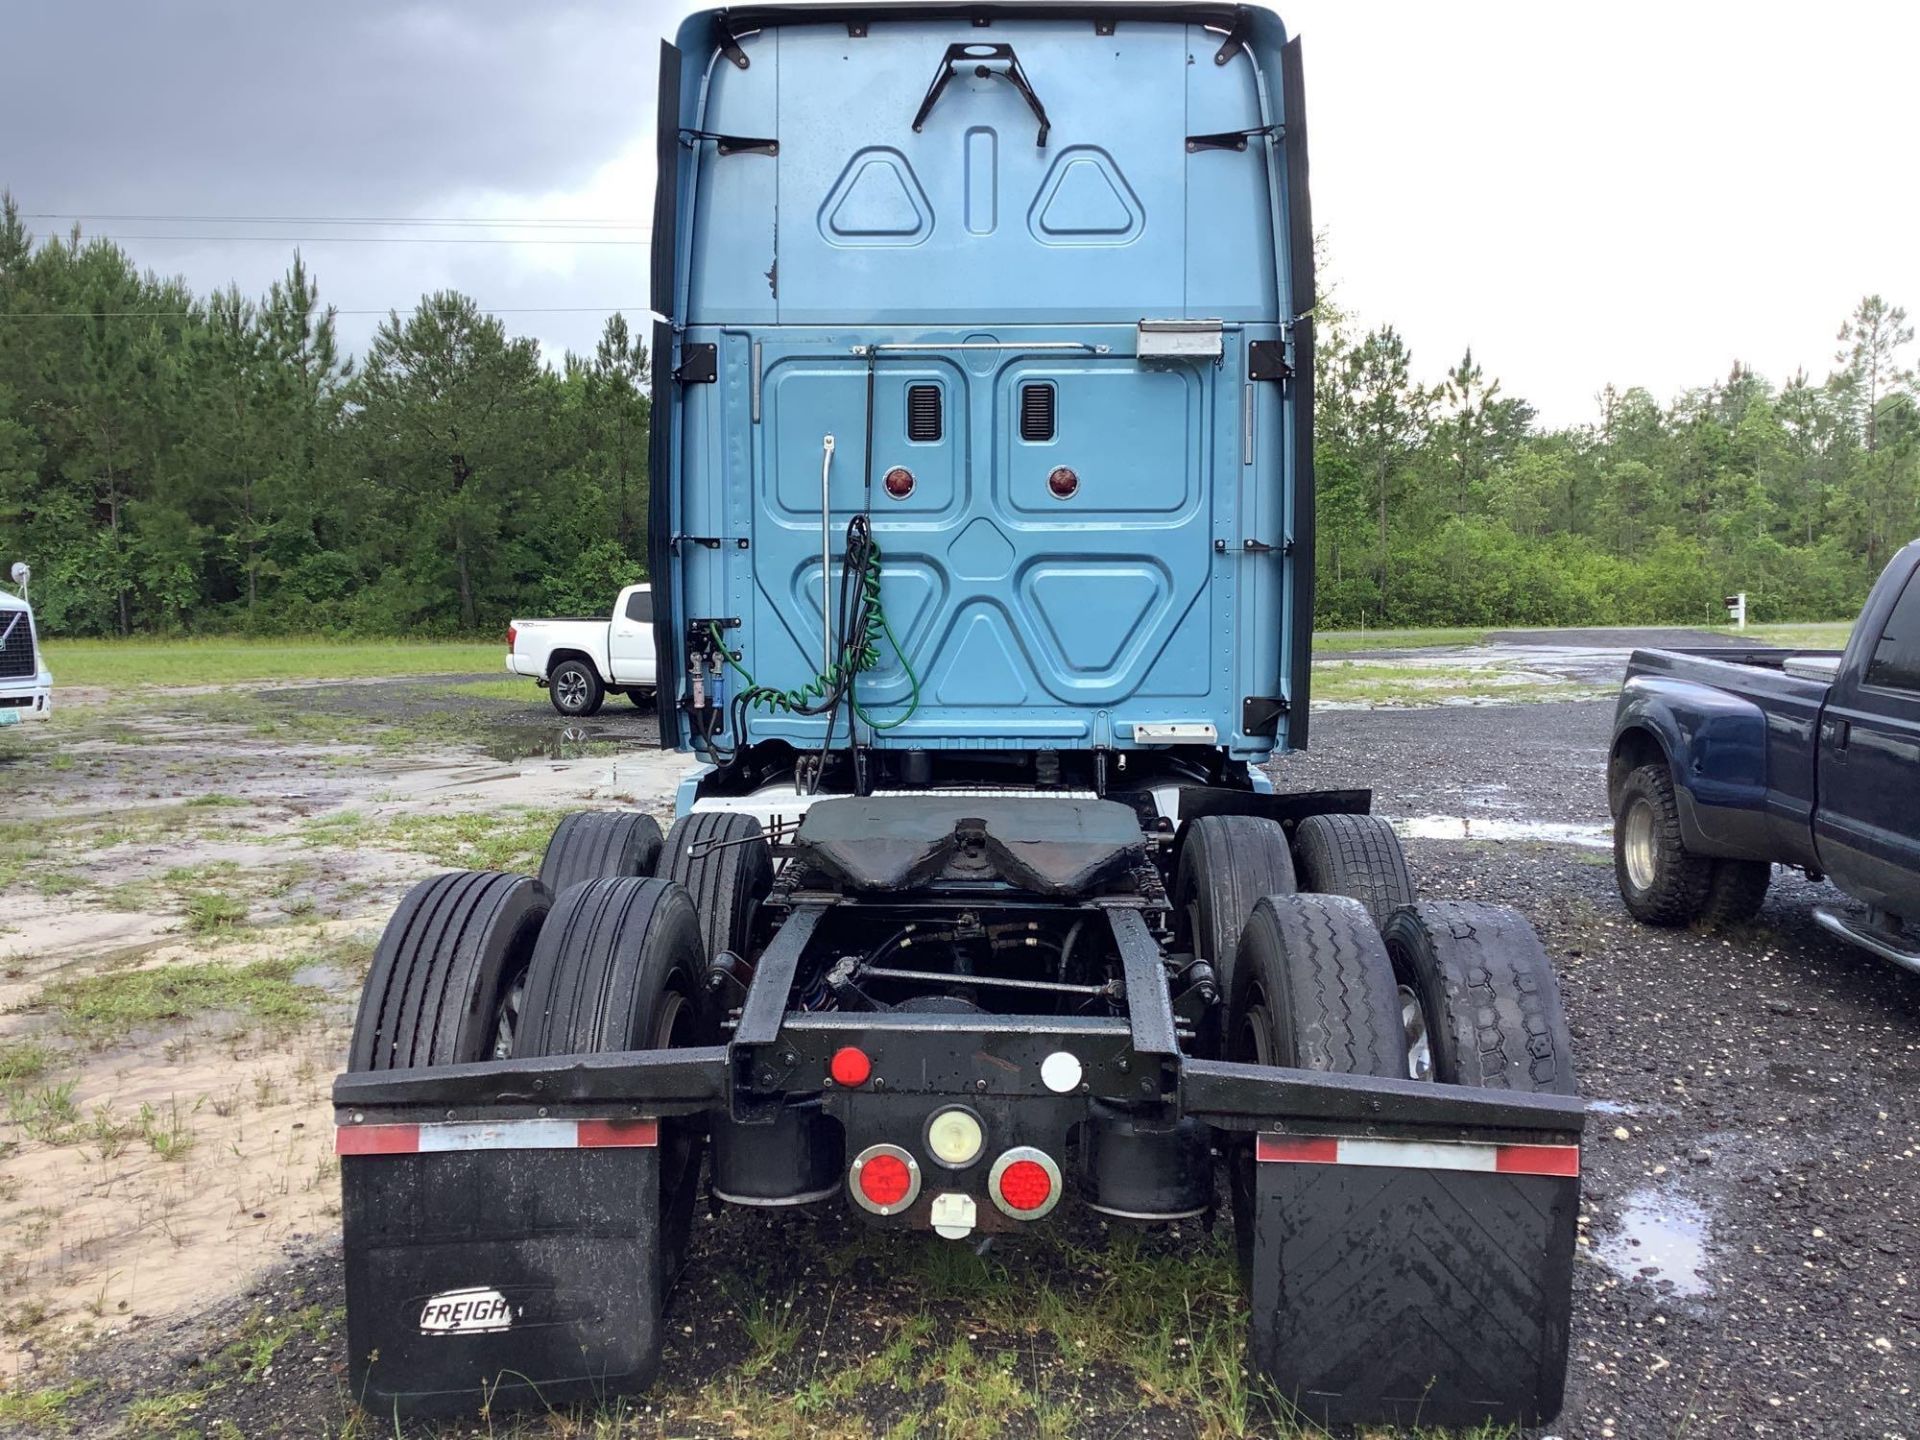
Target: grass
[522,690]
[1821,635]
[41,1409]
[126,664]
[510,839]
[102,1008]
[1375,682]
[1339,642]
[22,1062]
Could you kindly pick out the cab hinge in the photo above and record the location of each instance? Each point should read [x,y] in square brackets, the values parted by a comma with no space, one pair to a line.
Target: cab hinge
[1267,360]
[1261,714]
[699,364]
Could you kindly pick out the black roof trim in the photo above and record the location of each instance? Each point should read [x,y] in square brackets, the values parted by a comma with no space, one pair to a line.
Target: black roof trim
[741,19]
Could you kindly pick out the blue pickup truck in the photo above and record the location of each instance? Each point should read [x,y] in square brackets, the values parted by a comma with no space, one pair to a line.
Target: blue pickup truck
[1728,762]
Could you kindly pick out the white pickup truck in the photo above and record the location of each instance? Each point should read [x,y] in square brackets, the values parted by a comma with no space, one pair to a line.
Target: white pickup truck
[26,686]
[580,659]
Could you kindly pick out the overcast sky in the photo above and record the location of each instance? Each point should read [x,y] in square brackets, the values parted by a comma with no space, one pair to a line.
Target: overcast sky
[1638,192]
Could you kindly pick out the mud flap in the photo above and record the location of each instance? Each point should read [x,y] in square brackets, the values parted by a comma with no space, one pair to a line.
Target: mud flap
[1434,1292]
[503,1278]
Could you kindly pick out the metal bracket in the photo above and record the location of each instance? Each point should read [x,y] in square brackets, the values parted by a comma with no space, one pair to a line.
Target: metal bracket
[979,57]
[1254,547]
[1103,27]
[856,29]
[699,364]
[1261,714]
[733,144]
[1237,38]
[730,45]
[1228,139]
[1267,360]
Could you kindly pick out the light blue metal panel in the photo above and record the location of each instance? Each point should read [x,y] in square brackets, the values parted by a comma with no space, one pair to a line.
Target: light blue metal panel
[970,217]
[1031,621]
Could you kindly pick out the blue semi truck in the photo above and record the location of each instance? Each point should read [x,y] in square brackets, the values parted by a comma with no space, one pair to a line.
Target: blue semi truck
[982,545]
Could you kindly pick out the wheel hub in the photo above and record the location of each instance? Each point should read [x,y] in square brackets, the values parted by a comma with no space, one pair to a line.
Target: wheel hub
[1639,845]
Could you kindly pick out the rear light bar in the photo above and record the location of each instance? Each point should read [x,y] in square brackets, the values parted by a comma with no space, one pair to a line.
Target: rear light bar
[1420,1154]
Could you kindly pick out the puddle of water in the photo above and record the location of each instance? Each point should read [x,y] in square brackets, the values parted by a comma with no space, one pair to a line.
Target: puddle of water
[1474,827]
[537,742]
[1662,1237]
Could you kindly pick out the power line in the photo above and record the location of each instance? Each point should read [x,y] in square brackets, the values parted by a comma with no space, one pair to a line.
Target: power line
[371,240]
[543,222]
[385,310]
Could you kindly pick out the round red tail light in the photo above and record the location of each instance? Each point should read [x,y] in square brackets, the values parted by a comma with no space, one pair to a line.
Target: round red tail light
[1063,483]
[1025,1186]
[884,1178]
[1024,1183]
[899,482]
[849,1066]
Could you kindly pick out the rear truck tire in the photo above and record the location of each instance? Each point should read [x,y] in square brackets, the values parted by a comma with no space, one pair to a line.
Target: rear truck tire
[441,987]
[1354,855]
[1660,881]
[621,967]
[1416,1293]
[1312,988]
[575,689]
[525,1276]
[1479,995]
[642,699]
[599,845]
[723,860]
[1736,892]
[1227,863]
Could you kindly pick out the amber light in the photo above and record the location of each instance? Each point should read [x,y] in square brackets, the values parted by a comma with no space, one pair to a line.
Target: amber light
[899,482]
[1063,482]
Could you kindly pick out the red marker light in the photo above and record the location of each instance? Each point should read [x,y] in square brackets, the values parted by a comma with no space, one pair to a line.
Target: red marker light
[899,482]
[850,1066]
[1063,482]
[885,1179]
[513,632]
[1025,1185]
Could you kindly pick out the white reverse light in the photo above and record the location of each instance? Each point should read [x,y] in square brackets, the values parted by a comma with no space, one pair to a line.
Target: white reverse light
[955,1138]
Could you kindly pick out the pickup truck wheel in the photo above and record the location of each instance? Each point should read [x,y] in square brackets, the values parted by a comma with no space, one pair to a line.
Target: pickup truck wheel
[1659,881]
[722,858]
[619,967]
[1312,988]
[1479,997]
[1227,863]
[1355,855]
[642,699]
[599,845]
[444,975]
[575,689]
[1736,892]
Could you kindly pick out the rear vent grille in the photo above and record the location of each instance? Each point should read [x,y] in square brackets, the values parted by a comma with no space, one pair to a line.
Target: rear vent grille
[923,412]
[1036,412]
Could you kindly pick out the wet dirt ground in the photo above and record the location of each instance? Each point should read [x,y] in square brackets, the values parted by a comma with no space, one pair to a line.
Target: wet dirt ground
[1750,1255]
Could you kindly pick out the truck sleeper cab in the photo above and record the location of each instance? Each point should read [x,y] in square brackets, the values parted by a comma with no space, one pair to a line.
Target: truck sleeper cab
[981,539]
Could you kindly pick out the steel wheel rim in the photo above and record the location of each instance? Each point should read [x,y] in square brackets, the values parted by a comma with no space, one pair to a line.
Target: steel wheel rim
[507,1024]
[675,1015]
[571,687]
[1413,1023]
[1257,1033]
[1639,845]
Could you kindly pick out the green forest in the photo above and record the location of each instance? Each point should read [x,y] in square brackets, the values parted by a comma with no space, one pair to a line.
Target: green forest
[174,463]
